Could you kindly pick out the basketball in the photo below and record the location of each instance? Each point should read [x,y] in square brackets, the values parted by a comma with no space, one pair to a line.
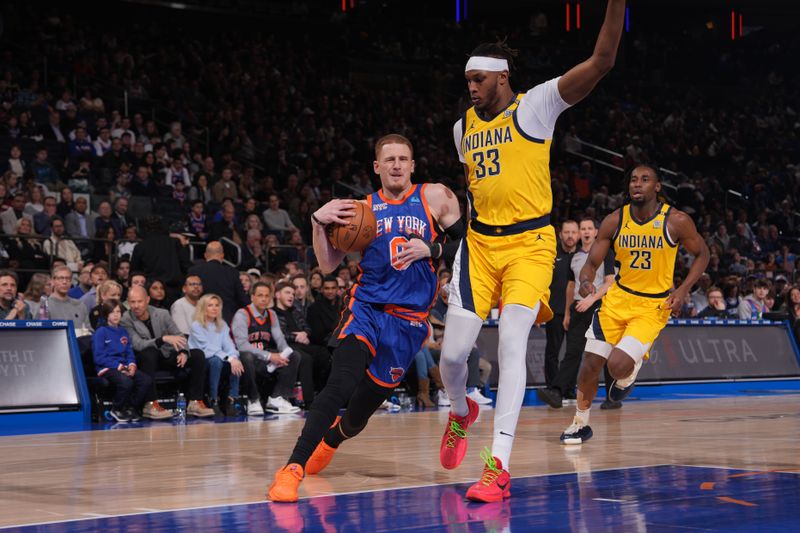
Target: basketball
[356,235]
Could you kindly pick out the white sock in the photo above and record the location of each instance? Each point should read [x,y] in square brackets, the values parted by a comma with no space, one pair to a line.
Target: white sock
[515,326]
[583,416]
[460,332]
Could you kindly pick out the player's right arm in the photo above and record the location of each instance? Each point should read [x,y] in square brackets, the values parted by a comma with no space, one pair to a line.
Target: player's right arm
[579,81]
[598,253]
[334,212]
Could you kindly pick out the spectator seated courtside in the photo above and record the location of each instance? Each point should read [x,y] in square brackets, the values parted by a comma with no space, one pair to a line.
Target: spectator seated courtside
[264,352]
[211,336]
[158,344]
[116,362]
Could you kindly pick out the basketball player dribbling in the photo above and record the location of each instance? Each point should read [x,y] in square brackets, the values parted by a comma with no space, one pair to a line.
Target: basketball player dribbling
[504,142]
[385,322]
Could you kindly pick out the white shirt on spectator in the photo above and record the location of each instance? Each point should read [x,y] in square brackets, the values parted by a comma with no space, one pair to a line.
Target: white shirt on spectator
[101,147]
[182,312]
[117,133]
[277,219]
[172,176]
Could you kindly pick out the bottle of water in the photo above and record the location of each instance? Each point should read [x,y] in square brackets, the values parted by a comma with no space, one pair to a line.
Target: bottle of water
[180,406]
[44,312]
[406,402]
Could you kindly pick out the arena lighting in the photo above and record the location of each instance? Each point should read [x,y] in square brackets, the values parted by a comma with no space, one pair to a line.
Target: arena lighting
[578,16]
[344,5]
[567,18]
[733,25]
[461,10]
[627,19]
[741,18]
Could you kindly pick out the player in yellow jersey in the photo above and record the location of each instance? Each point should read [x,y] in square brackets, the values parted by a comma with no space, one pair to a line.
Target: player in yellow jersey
[645,234]
[504,142]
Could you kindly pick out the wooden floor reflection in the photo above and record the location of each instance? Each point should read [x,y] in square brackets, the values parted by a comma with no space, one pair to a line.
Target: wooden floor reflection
[64,476]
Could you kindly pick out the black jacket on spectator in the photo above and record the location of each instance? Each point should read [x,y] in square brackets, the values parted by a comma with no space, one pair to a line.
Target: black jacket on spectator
[143,189]
[291,321]
[63,208]
[323,317]
[558,287]
[220,229]
[710,312]
[113,160]
[28,255]
[160,256]
[222,280]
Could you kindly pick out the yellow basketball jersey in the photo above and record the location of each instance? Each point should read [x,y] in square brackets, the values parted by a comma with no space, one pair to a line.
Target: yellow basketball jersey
[645,253]
[508,171]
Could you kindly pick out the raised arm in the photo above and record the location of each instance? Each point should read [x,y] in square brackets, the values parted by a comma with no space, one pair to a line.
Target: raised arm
[579,81]
[334,212]
[683,231]
[598,253]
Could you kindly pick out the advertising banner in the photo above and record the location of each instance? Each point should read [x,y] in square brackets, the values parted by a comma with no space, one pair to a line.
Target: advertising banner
[685,351]
[35,368]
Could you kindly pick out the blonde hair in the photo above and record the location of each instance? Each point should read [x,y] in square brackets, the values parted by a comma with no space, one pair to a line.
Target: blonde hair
[36,286]
[392,138]
[200,312]
[105,287]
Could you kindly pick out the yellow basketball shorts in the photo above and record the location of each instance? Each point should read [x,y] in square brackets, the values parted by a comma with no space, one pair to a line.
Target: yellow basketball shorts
[621,315]
[517,268]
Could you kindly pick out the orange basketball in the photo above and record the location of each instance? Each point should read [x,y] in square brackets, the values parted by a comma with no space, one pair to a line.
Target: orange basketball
[357,234]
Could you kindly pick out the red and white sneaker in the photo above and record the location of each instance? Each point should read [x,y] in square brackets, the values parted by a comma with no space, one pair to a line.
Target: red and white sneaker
[495,483]
[454,441]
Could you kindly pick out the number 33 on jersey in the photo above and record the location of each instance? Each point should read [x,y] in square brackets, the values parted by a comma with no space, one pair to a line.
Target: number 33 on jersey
[508,173]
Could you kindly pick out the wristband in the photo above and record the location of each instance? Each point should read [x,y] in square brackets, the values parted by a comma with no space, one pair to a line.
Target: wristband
[435,248]
[316,220]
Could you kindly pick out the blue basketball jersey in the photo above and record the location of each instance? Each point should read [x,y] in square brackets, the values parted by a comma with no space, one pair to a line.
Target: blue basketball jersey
[382,278]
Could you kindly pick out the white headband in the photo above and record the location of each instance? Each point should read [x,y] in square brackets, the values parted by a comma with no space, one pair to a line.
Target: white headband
[490,64]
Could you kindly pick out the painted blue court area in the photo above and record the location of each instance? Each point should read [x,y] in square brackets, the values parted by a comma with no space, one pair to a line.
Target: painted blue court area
[654,498]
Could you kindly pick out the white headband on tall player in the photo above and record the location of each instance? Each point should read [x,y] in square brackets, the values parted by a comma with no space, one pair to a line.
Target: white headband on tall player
[490,64]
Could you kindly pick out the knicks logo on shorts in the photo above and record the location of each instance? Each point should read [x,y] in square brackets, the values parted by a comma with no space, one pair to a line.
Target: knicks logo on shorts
[396,373]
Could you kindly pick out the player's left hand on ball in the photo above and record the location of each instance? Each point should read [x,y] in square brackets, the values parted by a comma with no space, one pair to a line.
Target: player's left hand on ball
[413,250]
[336,211]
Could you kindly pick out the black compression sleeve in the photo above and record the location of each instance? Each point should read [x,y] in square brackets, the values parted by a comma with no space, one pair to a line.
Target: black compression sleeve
[454,235]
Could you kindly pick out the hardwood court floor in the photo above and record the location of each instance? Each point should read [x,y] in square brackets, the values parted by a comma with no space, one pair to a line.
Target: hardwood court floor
[56,477]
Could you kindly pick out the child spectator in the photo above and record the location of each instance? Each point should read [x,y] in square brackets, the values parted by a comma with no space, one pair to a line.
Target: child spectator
[179,193]
[115,361]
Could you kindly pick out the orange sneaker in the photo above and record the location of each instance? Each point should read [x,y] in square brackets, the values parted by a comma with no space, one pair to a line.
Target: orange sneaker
[495,483]
[320,458]
[287,481]
[322,455]
[454,441]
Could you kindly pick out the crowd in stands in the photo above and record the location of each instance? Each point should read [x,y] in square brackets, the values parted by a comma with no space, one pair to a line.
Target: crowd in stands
[264,129]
